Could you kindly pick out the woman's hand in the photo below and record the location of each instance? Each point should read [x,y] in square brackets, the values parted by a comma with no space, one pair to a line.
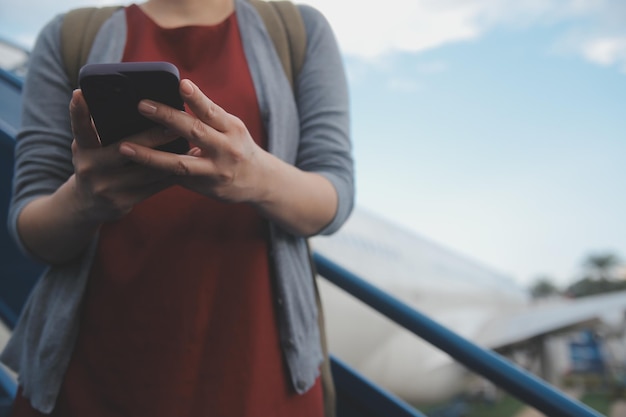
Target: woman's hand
[106,185]
[225,163]
[57,227]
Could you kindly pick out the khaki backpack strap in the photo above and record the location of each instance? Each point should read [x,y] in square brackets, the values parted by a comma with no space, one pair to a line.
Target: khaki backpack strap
[285,26]
[78,32]
[328,384]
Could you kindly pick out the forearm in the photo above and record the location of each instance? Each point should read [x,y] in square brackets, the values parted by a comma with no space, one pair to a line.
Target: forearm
[300,202]
[52,228]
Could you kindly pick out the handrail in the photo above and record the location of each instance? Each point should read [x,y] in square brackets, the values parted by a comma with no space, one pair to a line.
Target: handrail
[356,395]
[518,382]
[11,78]
[7,383]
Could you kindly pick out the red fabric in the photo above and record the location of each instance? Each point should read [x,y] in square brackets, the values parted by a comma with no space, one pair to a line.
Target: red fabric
[178,317]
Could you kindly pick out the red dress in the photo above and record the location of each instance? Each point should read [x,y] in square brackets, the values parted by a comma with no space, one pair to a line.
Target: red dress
[179,319]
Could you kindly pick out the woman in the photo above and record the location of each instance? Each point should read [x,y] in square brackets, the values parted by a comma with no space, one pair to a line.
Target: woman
[180,284]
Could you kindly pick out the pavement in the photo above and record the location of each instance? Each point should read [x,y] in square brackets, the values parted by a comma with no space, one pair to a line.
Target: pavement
[529,412]
[618,409]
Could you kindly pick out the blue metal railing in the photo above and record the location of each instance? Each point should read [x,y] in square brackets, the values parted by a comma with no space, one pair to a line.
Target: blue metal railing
[7,383]
[358,397]
[492,366]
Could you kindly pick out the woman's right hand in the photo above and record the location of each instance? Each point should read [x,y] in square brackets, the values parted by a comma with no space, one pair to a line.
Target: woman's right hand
[105,185]
[108,185]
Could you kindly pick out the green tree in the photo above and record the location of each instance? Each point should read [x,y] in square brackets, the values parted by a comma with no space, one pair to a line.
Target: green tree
[544,287]
[602,266]
[600,275]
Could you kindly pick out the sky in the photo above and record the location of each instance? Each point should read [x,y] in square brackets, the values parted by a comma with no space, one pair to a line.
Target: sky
[496,128]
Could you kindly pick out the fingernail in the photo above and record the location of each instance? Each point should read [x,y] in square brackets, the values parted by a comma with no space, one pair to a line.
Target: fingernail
[147,107]
[127,150]
[186,87]
[74,95]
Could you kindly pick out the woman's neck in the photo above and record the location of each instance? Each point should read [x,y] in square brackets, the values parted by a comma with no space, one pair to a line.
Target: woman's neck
[178,13]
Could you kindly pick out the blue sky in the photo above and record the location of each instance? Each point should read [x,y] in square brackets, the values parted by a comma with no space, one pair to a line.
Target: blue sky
[493,127]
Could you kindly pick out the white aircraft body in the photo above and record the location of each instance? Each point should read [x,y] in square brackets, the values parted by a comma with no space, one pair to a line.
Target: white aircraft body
[483,306]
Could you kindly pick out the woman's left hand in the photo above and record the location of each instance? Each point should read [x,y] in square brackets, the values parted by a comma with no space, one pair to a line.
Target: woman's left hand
[224,161]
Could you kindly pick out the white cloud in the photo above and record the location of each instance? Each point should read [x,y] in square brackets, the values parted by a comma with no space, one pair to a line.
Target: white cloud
[371,29]
[605,50]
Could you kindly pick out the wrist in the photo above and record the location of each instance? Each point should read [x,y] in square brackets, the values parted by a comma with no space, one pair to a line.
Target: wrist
[264,185]
[73,203]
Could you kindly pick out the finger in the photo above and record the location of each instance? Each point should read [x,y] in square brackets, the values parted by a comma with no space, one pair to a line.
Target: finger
[153,137]
[166,161]
[187,125]
[136,177]
[203,107]
[195,151]
[82,128]
[134,181]
[133,173]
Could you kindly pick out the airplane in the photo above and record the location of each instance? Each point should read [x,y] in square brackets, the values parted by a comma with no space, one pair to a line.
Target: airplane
[478,303]
[482,305]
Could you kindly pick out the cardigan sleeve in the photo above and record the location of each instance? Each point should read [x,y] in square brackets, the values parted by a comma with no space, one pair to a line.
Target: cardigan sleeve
[323,107]
[43,156]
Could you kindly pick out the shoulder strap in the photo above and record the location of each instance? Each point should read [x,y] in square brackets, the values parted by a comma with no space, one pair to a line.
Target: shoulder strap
[286,29]
[326,375]
[78,32]
[282,20]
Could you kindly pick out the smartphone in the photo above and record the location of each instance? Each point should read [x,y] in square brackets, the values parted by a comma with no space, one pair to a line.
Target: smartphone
[113,91]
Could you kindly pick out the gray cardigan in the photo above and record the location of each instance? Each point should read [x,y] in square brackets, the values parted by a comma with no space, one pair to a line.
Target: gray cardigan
[311,132]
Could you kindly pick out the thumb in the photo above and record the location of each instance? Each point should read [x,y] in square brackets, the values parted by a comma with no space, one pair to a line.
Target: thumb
[82,128]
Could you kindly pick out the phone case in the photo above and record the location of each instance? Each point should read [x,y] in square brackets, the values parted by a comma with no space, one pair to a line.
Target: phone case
[113,91]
